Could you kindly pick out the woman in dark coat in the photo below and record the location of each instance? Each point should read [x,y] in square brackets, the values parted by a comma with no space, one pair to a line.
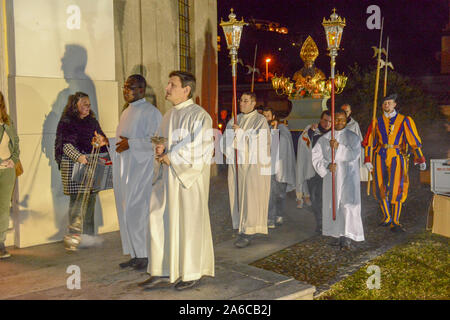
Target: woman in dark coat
[77,130]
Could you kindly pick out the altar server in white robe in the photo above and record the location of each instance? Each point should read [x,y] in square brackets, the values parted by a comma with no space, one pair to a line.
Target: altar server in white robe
[132,159]
[353,125]
[251,137]
[304,166]
[348,223]
[181,246]
[283,168]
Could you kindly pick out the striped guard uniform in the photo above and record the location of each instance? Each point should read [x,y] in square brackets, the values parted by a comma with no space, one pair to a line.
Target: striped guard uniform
[390,161]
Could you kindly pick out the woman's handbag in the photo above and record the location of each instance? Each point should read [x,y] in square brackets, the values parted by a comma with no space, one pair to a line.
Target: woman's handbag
[19,168]
[100,176]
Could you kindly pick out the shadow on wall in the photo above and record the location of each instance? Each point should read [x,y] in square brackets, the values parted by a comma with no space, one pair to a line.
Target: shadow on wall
[73,65]
[209,76]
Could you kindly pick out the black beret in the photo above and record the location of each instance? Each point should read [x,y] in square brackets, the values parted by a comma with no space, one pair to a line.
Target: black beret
[390,97]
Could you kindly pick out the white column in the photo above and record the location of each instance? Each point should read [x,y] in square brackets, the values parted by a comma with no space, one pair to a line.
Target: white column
[57,47]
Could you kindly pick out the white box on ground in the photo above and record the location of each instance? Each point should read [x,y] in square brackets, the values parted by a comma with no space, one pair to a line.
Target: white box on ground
[440,176]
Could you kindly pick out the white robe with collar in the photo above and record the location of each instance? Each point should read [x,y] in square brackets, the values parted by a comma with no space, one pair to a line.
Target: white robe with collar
[283,158]
[181,243]
[305,169]
[348,221]
[132,174]
[352,125]
[254,172]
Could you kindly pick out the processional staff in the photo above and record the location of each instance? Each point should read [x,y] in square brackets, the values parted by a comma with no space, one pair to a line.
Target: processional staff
[333,31]
[233,31]
[375,98]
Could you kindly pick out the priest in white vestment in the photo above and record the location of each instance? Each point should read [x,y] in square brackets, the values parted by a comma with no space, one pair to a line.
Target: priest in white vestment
[251,138]
[181,245]
[353,125]
[283,168]
[348,223]
[132,159]
[305,169]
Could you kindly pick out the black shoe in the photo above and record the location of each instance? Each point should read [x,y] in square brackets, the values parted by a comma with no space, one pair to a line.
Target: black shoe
[397,228]
[141,263]
[129,263]
[384,224]
[242,241]
[335,242]
[346,244]
[155,283]
[186,284]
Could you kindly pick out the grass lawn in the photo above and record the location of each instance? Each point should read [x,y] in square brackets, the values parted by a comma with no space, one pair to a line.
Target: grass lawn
[419,269]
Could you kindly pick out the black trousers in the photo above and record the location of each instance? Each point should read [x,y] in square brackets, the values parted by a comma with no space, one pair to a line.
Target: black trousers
[315,190]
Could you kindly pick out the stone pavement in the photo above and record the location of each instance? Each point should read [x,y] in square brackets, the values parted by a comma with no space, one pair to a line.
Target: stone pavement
[40,272]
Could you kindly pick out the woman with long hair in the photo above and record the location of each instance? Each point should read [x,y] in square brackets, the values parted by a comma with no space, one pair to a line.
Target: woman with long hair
[77,130]
[9,156]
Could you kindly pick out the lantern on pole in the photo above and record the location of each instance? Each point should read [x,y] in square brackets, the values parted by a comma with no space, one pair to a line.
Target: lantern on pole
[233,31]
[333,32]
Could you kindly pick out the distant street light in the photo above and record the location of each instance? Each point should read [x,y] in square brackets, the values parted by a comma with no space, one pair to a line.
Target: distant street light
[267,69]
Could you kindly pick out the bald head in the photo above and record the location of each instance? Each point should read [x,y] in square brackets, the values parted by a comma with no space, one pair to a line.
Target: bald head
[347,109]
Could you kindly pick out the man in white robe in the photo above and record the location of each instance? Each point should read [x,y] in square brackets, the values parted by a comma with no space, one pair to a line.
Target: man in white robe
[304,167]
[181,246]
[283,168]
[353,125]
[348,223]
[251,137]
[133,170]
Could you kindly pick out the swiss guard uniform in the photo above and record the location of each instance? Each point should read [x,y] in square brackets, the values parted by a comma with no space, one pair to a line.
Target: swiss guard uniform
[394,134]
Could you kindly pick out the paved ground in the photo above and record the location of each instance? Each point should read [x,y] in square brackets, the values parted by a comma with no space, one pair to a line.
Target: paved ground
[40,272]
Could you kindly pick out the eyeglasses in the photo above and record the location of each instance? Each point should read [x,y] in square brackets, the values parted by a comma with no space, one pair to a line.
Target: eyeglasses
[130,88]
[245,100]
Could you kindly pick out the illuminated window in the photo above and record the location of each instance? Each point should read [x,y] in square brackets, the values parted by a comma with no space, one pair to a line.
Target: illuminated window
[184,31]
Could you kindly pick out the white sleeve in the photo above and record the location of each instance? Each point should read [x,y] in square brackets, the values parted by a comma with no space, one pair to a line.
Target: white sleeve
[189,157]
[142,147]
[318,159]
[349,151]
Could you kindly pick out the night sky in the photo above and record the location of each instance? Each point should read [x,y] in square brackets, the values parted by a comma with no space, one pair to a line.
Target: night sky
[414,28]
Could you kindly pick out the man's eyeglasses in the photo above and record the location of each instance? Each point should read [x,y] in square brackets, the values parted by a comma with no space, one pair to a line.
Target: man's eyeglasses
[130,88]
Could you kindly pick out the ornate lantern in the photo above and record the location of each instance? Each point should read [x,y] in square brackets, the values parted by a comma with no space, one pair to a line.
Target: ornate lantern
[333,31]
